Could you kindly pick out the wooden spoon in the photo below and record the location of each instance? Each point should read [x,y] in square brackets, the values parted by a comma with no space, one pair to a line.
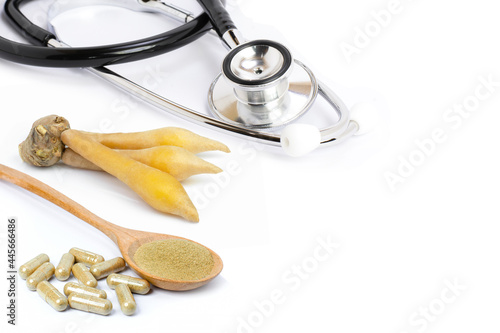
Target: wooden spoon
[128,240]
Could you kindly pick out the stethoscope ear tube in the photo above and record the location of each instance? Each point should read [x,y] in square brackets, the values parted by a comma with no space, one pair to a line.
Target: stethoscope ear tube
[33,32]
[220,18]
[215,16]
[44,56]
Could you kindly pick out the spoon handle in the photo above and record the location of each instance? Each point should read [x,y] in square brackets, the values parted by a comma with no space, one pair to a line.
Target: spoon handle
[43,190]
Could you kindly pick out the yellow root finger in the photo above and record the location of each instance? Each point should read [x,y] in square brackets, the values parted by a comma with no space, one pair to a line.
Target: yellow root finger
[159,189]
[176,161]
[167,136]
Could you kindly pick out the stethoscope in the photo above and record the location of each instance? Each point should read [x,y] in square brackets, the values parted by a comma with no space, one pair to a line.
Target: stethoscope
[261,89]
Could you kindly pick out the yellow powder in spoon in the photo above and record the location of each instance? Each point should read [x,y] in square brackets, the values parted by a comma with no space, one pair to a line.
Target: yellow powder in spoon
[175,259]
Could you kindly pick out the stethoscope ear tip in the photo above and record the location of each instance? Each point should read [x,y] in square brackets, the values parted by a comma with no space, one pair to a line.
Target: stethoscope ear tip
[365,115]
[300,139]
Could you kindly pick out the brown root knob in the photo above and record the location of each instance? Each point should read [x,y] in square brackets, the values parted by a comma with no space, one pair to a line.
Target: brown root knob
[43,146]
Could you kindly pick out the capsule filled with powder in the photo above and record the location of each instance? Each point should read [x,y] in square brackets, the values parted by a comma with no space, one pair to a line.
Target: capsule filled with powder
[103,269]
[63,270]
[28,268]
[52,296]
[136,285]
[86,257]
[72,287]
[126,299]
[42,273]
[82,274]
[90,304]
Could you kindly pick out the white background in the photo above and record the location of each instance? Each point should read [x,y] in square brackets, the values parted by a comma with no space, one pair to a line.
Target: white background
[399,248]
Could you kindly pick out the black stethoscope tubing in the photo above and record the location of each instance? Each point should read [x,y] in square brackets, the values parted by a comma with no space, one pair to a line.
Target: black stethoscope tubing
[214,17]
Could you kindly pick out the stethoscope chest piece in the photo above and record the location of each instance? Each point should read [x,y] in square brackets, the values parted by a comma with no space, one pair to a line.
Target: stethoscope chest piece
[262,86]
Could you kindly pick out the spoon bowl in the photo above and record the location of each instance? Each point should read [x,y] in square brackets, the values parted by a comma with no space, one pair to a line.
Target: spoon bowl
[127,240]
[130,240]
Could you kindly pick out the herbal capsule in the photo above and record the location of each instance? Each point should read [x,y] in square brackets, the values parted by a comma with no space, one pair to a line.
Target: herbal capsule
[86,257]
[82,274]
[63,270]
[136,285]
[72,287]
[28,268]
[42,273]
[90,304]
[52,296]
[126,299]
[103,269]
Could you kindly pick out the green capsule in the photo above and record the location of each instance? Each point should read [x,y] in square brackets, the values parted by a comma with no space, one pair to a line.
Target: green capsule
[103,269]
[42,273]
[126,299]
[72,287]
[52,296]
[136,285]
[90,304]
[63,270]
[86,257]
[82,274]
[28,268]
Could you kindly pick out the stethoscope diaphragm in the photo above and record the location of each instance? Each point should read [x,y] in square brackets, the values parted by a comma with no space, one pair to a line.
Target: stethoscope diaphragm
[262,86]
